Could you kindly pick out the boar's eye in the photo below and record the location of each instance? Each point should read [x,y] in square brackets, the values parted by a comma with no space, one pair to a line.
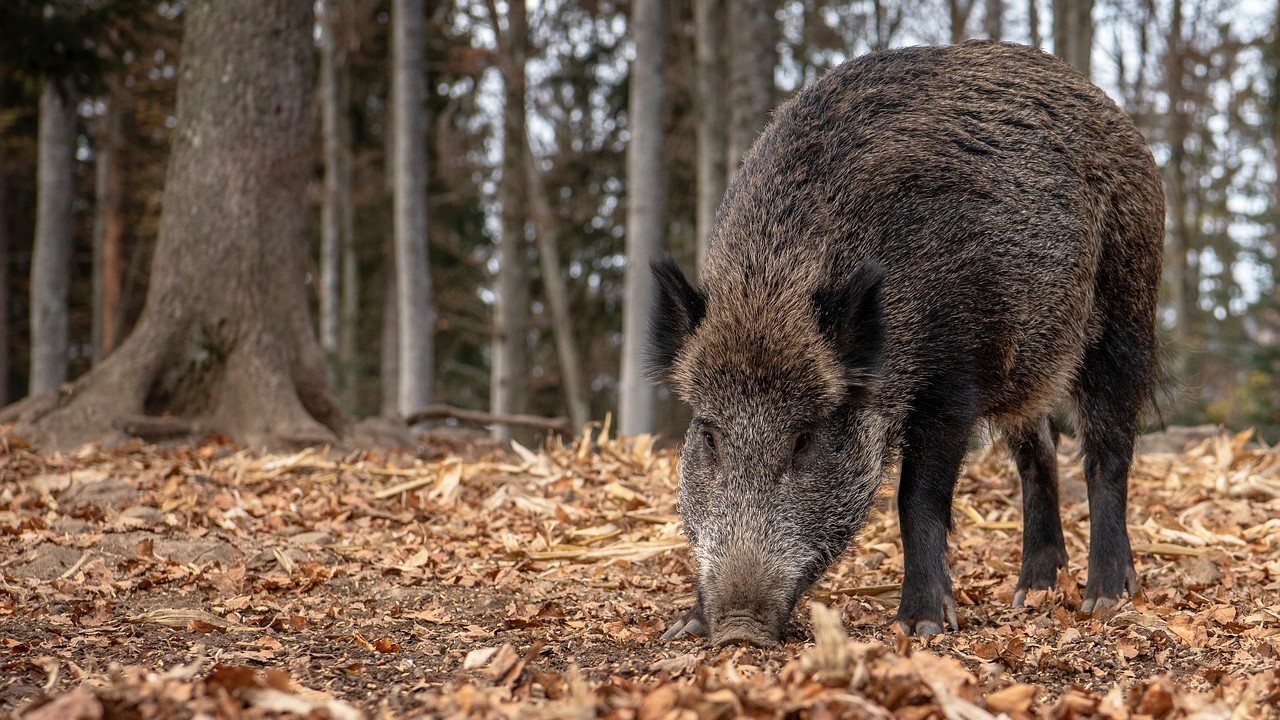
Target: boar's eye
[709,439]
[803,440]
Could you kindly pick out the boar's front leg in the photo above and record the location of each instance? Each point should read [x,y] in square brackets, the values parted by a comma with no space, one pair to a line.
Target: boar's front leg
[933,451]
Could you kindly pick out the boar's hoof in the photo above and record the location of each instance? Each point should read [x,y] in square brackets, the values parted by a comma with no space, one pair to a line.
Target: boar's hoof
[1099,600]
[685,626]
[913,624]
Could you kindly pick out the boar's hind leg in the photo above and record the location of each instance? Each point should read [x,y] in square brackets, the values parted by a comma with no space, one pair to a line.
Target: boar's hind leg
[931,459]
[1034,448]
[1109,395]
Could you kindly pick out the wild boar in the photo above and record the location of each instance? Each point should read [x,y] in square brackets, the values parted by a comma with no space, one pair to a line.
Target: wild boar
[922,241]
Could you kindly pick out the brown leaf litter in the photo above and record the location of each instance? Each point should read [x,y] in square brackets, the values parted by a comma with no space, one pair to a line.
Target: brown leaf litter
[209,582]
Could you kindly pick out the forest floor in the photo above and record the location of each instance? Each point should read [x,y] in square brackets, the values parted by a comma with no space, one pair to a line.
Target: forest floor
[205,581]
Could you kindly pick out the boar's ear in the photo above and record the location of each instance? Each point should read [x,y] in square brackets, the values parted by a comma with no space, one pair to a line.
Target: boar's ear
[678,307]
[850,316]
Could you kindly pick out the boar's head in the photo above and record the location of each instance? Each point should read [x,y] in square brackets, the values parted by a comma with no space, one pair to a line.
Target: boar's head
[785,451]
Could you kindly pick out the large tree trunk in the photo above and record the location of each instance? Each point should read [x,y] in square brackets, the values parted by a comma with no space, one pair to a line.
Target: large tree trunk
[553,285]
[510,318]
[993,19]
[415,314]
[753,55]
[1073,33]
[225,339]
[108,224]
[51,253]
[646,207]
[709,23]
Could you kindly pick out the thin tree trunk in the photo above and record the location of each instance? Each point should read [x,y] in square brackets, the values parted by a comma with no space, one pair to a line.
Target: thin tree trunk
[753,56]
[709,22]
[390,347]
[993,19]
[415,314]
[1181,240]
[331,112]
[646,207]
[4,263]
[1275,150]
[959,10]
[108,224]
[553,284]
[510,317]
[1073,33]
[348,355]
[51,254]
[1033,22]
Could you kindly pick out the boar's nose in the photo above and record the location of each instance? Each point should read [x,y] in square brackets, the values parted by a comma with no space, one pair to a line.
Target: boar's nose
[748,596]
[743,628]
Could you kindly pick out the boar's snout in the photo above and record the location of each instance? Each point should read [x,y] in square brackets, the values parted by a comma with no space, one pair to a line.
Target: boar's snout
[750,599]
[742,628]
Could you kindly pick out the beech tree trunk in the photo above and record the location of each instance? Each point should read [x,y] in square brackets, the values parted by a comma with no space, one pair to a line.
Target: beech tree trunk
[713,148]
[507,376]
[51,252]
[225,340]
[553,284]
[1073,33]
[108,224]
[753,55]
[646,208]
[415,315]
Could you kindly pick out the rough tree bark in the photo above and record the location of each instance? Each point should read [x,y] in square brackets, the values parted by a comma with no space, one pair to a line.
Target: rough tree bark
[713,148]
[553,286]
[507,376]
[646,207]
[993,19]
[1073,33]
[51,253]
[108,223]
[753,55]
[415,314]
[225,339]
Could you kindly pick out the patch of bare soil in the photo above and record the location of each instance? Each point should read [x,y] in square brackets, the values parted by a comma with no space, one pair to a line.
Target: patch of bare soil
[209,582]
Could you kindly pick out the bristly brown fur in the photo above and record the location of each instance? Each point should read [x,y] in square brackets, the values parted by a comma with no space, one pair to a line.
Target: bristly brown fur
[921,240]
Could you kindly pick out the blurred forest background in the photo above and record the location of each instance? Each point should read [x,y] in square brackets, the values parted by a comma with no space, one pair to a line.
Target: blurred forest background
[560,137]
